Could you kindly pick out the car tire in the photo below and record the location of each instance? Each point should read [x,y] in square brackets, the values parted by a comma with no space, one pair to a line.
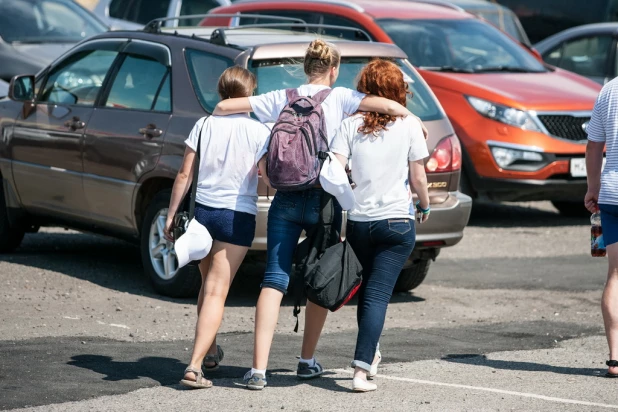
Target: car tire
[571,209]
[156,252]
[411,277]
[10,236]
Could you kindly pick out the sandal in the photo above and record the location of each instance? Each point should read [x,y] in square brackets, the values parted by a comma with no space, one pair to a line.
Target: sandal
[199,383]
[216,359]
[611,364]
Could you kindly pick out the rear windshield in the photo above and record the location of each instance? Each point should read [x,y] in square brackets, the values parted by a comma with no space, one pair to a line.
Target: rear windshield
[282,74]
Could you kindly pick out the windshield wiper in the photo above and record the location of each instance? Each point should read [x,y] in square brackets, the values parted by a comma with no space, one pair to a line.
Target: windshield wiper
[449,69]
[510,69]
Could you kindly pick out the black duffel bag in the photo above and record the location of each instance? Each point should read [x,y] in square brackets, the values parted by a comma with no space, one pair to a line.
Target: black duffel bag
[328,272]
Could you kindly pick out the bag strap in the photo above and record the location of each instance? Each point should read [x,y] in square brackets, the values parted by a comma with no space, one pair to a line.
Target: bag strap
[320,96]
[291,94]
[196,171]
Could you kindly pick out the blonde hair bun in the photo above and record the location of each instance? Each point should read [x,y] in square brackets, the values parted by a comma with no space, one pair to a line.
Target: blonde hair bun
[319,49]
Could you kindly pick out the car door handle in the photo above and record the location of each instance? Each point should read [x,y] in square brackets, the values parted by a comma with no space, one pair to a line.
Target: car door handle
[75,123]
[151,131]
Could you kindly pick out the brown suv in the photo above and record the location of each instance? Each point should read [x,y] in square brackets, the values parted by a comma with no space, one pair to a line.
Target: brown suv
[94,141]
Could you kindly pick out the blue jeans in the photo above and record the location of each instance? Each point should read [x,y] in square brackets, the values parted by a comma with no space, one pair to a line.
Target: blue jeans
[382,247]
[290,213]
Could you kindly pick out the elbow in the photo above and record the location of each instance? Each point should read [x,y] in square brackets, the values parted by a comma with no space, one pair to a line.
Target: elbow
[182,177]
[218,109]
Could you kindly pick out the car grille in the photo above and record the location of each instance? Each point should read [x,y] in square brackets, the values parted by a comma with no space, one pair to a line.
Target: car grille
[565,126]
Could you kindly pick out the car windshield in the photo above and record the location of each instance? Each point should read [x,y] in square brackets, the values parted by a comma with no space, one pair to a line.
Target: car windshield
[505,21]
[46,21]
[466,45]
[283,74]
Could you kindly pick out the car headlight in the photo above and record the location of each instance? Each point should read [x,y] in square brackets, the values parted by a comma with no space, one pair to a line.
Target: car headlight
[517,158]
[503,114]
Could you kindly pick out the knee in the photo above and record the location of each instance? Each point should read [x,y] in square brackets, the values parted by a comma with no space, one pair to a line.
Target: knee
[278,281]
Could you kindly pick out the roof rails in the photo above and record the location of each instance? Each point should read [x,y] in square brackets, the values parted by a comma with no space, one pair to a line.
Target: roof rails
[443,3]
[155,25]
[219,37]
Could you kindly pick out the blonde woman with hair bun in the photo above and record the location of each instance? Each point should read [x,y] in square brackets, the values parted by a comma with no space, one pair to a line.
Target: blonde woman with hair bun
[292,212]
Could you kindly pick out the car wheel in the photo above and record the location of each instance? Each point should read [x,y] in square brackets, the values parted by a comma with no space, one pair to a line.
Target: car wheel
[158,256]
[10,236]
[464,185]
[412,275]
[571,209]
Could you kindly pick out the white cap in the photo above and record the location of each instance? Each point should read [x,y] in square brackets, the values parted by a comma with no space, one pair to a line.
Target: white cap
[334,180]
[194,244]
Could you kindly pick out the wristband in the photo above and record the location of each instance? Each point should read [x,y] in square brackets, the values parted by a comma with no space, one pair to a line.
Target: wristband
[420,209]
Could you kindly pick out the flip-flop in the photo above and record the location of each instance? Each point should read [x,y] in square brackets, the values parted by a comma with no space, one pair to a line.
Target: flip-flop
[199,383]
[215,358]
[611,364]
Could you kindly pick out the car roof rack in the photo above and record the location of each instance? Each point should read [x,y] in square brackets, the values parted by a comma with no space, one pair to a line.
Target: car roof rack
[155,25]
[443,3]
[219,37]
[344,3]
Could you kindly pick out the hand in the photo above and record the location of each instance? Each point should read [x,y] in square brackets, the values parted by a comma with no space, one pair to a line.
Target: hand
[422,217]
[591,201]
[169,226]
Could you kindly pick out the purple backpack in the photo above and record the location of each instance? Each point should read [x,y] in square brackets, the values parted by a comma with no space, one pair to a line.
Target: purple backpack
[298,143]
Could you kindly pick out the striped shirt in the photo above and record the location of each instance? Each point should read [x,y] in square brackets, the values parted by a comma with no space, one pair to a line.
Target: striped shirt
[603,127]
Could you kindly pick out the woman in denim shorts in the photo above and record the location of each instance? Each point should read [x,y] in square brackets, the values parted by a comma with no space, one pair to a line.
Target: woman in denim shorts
[386,154]
[226,204]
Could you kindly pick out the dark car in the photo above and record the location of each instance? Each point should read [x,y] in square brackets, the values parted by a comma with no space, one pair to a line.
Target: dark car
[94,142]
[588,50]
[542,18]
[33,33]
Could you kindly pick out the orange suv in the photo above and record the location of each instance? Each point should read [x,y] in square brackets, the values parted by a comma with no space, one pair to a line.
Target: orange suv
[522,123]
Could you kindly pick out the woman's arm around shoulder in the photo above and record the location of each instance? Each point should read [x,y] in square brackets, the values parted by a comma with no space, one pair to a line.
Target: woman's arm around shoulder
[232,106]
[385,106]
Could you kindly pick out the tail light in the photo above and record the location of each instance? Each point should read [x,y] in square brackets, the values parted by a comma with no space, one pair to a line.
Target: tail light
[446,156]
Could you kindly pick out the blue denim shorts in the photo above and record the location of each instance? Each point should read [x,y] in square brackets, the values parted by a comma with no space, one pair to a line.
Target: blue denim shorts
[609,223]
[225,225]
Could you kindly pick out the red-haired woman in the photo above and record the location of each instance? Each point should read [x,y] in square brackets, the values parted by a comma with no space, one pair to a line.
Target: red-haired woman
[386,154]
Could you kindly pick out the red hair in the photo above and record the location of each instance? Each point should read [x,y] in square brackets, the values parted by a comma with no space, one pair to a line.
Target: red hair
[385,79]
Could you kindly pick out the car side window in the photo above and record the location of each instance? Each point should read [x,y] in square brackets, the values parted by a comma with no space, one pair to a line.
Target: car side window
[204,71]
[189,7]
[78,80]
[139,85]
[119,9]
[586,56]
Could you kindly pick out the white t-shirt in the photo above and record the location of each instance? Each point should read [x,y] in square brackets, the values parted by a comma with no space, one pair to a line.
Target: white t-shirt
[380,166]
[230,151]
[340,103]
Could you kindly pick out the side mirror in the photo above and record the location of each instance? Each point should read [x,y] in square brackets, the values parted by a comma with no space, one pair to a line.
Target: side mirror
[21,88]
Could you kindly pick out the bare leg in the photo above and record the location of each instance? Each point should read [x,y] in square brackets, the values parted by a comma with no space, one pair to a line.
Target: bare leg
[266,316]
[226,260]
[610,305]
[204,268]
[315,317]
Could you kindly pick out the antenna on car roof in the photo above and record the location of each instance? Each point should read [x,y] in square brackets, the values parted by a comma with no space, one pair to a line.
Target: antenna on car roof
[155,25]
[218,36]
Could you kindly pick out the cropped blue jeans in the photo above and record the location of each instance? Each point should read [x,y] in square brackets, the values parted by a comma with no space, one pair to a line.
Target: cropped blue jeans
[290,213]
[382,247]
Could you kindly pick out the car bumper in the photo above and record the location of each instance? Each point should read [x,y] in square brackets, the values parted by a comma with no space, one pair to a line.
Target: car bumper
[444,228]
[528,190]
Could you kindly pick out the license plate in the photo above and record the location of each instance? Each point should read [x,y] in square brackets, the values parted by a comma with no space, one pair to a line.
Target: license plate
[578,167]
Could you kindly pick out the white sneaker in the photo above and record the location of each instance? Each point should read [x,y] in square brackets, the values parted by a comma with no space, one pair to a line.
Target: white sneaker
[361,385]
[374,368]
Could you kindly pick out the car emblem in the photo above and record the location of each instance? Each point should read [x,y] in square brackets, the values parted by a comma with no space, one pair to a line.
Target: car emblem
[585,126]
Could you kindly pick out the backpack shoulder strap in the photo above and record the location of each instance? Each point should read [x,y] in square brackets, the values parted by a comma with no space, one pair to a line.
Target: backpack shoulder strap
[320,96]
[291,94]
[196,171]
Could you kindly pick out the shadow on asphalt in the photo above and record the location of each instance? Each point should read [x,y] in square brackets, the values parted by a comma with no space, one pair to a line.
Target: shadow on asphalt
[507,215]
[163,370]
[481,360]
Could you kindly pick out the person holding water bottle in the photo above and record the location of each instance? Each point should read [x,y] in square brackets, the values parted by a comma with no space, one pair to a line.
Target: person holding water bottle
[602,197]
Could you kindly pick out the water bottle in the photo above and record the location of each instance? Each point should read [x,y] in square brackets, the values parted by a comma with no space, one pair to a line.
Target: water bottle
[597,245]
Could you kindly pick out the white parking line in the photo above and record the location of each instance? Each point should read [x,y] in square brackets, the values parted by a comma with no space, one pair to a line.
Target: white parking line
[483,389]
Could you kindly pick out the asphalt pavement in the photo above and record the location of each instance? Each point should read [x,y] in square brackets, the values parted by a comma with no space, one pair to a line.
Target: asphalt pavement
[507,320]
